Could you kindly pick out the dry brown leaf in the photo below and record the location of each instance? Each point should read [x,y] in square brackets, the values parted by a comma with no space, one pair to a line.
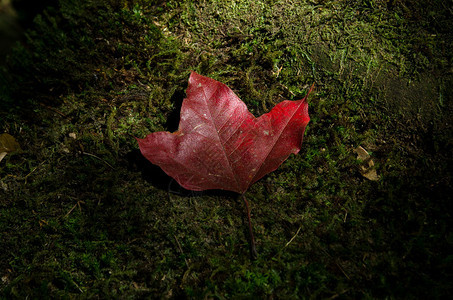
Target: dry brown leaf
[367,167]
[8,144]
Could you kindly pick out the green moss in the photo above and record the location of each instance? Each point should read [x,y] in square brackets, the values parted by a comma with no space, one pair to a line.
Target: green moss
[83,214]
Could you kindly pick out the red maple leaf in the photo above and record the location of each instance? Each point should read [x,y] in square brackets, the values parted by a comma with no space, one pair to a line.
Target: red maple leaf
[220,144]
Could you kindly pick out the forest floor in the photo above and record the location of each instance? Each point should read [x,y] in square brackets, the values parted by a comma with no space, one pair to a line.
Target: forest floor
[84,215]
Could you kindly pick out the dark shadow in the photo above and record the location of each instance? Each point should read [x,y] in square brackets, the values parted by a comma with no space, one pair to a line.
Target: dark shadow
[15,18]
[151,173]
[28,9]
[177,98]
[176,189]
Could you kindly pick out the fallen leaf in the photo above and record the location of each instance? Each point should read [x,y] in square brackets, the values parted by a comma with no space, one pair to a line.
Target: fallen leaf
[367,167]
[220,144]
[8,144]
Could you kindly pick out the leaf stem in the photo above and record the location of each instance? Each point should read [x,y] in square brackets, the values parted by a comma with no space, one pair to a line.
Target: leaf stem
[253,252]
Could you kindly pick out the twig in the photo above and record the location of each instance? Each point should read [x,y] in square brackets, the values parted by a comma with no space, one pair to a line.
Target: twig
[291,240]
[69,212]
[34,169]
[338,264]
[92,155]
[75,205]
[54,110]
[253,252]
[180,249]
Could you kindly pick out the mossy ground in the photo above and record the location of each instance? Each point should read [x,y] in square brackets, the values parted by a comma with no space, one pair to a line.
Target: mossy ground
[83,214]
